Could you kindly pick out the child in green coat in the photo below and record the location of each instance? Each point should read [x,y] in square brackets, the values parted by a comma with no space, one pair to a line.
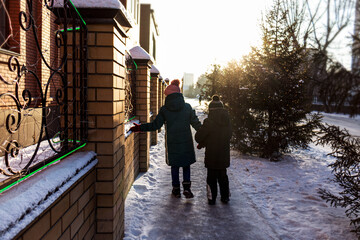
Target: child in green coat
[178,116]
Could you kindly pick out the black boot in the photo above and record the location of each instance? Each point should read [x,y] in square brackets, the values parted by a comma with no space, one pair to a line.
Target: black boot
[211,201]
[176,191]
[211,194]
[187,192]
[224,187]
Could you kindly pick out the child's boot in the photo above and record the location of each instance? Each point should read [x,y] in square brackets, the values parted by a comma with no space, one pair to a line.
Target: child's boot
[224,188]
[187,192]
[211,201]
[211,196]
[176,191]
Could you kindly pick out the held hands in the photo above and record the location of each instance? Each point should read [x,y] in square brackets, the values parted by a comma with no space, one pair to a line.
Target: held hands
[135,128]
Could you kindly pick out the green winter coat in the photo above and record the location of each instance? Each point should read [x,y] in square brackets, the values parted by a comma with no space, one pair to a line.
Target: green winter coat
[177,117]
[214,135]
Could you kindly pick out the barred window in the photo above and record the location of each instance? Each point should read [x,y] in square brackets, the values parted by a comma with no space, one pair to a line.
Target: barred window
[130,88]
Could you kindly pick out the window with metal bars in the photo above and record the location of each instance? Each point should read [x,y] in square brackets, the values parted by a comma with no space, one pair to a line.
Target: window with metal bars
[130,88]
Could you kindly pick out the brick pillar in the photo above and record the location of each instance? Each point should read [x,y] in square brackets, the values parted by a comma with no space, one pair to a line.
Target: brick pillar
[154,99]
[143,61]
[106,94]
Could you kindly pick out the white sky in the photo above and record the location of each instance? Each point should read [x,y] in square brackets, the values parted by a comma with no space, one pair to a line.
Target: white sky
[197,33]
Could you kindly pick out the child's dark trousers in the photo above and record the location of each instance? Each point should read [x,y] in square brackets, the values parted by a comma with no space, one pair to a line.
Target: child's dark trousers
[215,176]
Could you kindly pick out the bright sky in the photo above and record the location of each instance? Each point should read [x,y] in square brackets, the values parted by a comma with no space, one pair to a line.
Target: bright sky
[197,33]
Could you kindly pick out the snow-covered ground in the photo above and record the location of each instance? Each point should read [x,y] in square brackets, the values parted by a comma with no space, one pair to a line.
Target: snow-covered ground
[269,200]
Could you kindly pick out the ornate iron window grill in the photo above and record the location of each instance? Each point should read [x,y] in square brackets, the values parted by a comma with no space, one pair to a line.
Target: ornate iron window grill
[130,87]
[47,121]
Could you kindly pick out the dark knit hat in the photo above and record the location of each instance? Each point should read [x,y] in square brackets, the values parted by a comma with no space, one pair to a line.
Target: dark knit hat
[215,103]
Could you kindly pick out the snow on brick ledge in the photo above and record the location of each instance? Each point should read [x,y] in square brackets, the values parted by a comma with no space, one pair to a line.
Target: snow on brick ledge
[20,205]
[96,4]
[138,52]
[154,70]
[113,4]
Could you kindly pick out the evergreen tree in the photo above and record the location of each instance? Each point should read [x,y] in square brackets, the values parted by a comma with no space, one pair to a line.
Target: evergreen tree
[267,98]
[212,82]
[191,92]
[346,170]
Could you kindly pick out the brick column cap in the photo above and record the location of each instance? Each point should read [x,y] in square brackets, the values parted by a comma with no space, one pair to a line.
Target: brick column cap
[100,11]
[140,55]
[154,71]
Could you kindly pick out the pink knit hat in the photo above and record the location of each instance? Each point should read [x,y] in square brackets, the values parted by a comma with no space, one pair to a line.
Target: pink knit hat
[174,87]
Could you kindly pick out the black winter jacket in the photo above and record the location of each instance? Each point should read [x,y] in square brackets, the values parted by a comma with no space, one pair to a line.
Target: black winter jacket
[178,116]
[214,135]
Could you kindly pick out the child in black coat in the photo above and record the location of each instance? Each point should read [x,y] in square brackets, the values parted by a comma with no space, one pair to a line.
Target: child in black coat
[214,135]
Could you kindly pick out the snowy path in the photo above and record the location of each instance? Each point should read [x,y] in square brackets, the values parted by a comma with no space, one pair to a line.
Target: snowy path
[170,218]
[164,217]
[268,200]
[351,124]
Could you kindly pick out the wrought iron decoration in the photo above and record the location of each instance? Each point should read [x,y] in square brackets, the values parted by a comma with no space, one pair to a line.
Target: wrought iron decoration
[17,160]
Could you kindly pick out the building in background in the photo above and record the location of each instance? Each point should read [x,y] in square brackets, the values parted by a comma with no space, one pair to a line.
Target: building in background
[133,15]
[149,31]
[188,81]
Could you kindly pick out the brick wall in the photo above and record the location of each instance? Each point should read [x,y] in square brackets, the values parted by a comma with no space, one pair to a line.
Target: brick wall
[106,99]
[33,57]
[71,216]
[14,9]
[17,47]
[154,104]
[118,157]
[131,168]
[143,110]
[94,206]
[22,45]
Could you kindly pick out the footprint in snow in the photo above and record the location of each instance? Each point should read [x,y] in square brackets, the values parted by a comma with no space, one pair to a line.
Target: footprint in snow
[152,180]
[140,188]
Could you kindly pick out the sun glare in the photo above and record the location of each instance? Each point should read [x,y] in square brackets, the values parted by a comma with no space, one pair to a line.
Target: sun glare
[196,34]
